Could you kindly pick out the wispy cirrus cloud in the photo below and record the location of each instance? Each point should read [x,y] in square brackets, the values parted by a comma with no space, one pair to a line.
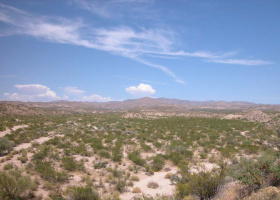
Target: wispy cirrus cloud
[79,95]
[142,80]
[123,40]
[8,76]
[69,90]
[241,61]
[115,8]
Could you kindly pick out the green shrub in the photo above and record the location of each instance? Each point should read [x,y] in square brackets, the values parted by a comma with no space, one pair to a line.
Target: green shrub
[81,149]
[104,154]
[42,153]
[136,158]
[175,157]
[203,155]
[278,132]
[8,166]
[121,185]
[145,147]
[62,176]
[82,193]
[204,184]
[265,171]
[70,164]
[46,170]
[117,153]
[100,165]
[158,163]
[13,185]
[23,159]
[6,146]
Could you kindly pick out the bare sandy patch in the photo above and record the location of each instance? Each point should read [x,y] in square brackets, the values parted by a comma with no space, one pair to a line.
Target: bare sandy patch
[14,160]
[165,186]
[8,131]
[27,145]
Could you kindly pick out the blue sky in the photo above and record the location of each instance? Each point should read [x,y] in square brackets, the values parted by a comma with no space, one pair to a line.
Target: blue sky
[120,49]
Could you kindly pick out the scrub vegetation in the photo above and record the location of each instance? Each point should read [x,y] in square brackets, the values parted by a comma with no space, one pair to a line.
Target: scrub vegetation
[105,156]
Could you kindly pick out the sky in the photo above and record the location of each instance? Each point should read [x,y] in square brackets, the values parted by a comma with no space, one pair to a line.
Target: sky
[112,50]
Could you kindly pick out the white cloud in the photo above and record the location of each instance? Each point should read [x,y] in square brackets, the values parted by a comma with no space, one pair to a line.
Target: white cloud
[73,91]
[32,92]
[96,98]
[141,90]
[241,62]
[34,89]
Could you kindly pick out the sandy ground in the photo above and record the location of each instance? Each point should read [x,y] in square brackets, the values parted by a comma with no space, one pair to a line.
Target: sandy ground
[232,116]
[165,186]
[8,131]
[41,191]
[13,161]
[203,166]
[244,132]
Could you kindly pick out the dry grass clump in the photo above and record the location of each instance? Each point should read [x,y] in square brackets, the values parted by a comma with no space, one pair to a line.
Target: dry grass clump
[269,193]
[136,190]
[134,178]
[153,185]
[169,175]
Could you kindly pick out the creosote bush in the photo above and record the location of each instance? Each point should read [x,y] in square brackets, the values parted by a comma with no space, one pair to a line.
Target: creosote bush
[6,146]
[70,164]
[14,185]
[82,193]
[158,163]
[262,172]
[204,184]
[136,158]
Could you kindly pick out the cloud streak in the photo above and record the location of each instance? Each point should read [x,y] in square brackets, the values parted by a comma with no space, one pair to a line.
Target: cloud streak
[241,62]
[73,91]
[147,81]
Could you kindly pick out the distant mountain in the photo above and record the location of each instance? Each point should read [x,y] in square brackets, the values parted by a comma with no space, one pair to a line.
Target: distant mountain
[163,104]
